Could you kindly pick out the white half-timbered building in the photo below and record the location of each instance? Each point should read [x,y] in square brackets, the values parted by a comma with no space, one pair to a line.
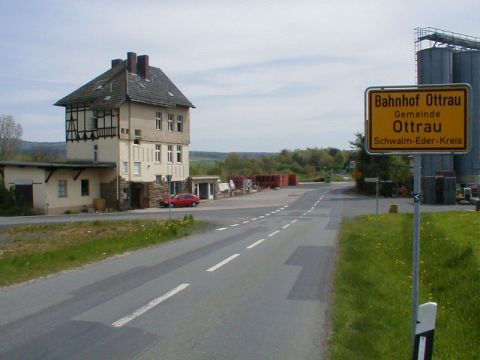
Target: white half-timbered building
[128,129]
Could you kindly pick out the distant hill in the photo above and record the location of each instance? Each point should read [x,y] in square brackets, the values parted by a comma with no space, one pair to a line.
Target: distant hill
[59,150]
[210,157]
[51,149]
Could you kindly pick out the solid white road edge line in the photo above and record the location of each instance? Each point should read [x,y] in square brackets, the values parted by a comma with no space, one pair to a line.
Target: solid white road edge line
[125,320]
[221,263]
[255,244]
[274,233]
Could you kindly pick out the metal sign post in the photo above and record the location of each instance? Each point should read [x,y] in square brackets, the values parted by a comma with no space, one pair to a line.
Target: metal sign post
[416,242]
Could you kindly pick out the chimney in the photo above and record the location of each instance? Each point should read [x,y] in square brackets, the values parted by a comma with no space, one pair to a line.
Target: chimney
[115,62]
[132,62]
[143,66]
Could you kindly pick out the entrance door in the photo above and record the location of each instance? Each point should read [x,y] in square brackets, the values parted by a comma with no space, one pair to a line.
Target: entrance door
[137,196]
[203,190]
[24,195]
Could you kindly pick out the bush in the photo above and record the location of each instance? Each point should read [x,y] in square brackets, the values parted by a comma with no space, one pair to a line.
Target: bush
[9,206]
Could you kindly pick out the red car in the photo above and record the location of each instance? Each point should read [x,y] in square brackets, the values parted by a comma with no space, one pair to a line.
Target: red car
[181,200]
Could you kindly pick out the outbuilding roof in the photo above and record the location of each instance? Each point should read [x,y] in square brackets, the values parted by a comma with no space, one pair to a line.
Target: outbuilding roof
[59,165]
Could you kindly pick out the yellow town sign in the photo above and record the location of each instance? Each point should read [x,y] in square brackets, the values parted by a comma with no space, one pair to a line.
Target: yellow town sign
[418,119]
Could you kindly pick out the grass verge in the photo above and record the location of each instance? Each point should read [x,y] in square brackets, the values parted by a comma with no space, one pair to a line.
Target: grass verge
[28,252]
[372,301]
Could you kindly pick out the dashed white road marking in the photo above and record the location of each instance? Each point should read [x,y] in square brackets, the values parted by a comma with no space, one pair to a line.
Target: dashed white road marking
[261,217]
[221,229]
[268,214]
[274,233]
[254,219]
[246,222]
[221,263]
[293,221]
[125,320]
[285,226]
[255,244]
[234,225]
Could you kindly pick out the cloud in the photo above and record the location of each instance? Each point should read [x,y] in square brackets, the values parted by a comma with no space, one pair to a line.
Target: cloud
[28,96]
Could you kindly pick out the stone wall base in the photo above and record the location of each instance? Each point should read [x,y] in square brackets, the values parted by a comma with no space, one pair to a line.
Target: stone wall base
[134,195]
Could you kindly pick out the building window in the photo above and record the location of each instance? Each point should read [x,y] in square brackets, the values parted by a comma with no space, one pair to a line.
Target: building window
[158,179]
[85,187]
[170,122]
[180,123]
[179,154]
[158,153]
[175,187]
[137,168]
[138,136]
[94,120]
[62,188]
[125,167]
[158,120]
[95,152]
[170,153]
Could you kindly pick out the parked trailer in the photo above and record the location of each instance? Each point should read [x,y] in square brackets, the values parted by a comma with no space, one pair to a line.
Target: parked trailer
[272,181]
[292,180]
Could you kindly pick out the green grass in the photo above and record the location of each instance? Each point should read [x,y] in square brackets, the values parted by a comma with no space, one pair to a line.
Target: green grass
[372,301]
[39,250]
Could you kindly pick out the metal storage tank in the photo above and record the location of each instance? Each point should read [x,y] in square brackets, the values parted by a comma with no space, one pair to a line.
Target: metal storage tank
[466,69]
[435,66]
[429,187]
[449,190]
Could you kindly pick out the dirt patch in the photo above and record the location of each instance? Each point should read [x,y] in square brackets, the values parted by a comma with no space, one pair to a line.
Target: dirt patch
[34,238]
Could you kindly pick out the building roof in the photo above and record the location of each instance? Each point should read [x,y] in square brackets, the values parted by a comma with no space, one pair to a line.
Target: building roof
[120,84]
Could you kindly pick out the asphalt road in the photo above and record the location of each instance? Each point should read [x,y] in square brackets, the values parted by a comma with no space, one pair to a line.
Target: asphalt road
[256,286]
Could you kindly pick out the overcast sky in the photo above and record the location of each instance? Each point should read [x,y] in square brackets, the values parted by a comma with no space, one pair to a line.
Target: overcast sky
[263,75]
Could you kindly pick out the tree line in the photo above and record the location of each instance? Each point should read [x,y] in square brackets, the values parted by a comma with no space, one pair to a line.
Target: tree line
[309,164]
[315,164]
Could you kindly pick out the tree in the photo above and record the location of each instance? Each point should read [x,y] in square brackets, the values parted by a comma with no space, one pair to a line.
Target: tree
[340,159]
[385,167]
[10,135]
